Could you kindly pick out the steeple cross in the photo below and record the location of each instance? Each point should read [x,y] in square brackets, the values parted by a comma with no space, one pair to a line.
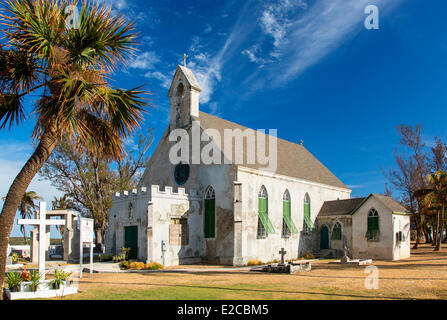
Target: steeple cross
[184,59]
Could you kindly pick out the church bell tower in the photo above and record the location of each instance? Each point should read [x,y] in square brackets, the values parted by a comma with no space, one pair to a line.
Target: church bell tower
[184,96]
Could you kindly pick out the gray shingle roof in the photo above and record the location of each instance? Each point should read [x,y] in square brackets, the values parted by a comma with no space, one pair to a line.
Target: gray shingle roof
[340,207]
[293,159]
[350,206]
[391,203]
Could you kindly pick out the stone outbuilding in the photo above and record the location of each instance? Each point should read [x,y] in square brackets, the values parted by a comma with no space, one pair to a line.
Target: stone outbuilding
[373,227]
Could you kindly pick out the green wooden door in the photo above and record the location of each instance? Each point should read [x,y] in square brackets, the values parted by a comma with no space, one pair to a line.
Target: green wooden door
[131,241]
[210,218]
[324,238]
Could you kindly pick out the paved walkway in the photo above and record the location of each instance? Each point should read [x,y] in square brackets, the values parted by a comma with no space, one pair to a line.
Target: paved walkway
[107,267]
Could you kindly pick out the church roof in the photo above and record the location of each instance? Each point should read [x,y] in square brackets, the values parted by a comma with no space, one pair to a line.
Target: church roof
[340,207]
[293,160]
[350,206]
[392,204]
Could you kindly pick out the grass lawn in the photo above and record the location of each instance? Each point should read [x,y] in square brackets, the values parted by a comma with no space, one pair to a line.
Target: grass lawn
[423,276]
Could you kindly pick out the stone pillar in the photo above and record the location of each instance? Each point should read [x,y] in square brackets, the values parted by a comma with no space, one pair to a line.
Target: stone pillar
[34,246]
[74,243]
[238,219]
[149,233]
[68,236]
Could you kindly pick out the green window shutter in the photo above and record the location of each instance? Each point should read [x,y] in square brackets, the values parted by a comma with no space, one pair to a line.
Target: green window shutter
[307,218]
[335,234]
[263,216]
[288,218]
[210,218]
[373,228]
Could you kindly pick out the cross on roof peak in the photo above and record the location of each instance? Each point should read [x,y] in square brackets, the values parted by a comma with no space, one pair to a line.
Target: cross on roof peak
[184,59]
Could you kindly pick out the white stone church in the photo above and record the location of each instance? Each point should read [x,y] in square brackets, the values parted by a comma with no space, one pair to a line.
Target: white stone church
[236,210]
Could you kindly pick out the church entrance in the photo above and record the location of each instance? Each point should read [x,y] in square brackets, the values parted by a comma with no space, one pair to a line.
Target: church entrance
[324,238]
[131,241]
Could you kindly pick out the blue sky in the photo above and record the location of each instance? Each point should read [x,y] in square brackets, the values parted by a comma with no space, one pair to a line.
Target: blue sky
[308,68]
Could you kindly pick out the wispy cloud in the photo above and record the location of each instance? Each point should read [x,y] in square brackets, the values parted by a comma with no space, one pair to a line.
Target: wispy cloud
[207,65]
[145,61]
[165,80]
[302,42]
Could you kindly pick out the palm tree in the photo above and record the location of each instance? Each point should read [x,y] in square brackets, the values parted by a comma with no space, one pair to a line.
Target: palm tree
[27,208]
[435,198]
[68,67]
[62,203]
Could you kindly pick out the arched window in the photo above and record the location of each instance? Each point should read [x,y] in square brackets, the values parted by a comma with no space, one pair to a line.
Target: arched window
[265,226]
[262,211]
[288,227]
[180,90]
[336,231]
[373,225]
[286,214]
[308,226]
[210,213]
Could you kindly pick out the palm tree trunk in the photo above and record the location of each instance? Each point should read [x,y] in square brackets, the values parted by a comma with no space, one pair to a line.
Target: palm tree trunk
[43,151]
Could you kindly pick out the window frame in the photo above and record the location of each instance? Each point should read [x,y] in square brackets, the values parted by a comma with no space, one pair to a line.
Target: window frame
[373,226]
[210,194]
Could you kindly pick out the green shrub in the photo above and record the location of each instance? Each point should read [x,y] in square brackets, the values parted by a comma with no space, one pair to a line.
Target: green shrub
[153,266]
[124,264]
[14,279]
[60,277]
[105,257]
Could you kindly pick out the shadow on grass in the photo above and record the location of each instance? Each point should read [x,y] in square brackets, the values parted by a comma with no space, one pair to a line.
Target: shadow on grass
[251,290]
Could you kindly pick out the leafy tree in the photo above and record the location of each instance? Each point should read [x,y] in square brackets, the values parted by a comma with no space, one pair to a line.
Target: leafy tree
[90,180]
[69,69]
[410,173]
[435,198]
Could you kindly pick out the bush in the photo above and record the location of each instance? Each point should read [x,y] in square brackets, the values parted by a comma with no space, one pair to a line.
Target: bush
[308,255]
[254,262]
[153,266]
[136,265]
[122,256]
[105,257]
[124,264]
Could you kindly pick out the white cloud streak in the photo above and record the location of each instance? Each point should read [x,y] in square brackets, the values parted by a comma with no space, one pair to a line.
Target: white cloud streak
[302,42]
[145,61]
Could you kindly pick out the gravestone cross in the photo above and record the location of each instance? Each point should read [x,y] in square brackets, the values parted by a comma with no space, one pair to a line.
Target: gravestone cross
[282,253]
[42,223]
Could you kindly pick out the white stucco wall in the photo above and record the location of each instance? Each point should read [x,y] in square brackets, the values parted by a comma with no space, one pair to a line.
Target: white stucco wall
[401,249]
[371,249]
[267,249]
[119,219]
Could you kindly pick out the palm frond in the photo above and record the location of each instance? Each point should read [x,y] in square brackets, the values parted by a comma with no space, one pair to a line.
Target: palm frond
[99,36]
[11,110]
